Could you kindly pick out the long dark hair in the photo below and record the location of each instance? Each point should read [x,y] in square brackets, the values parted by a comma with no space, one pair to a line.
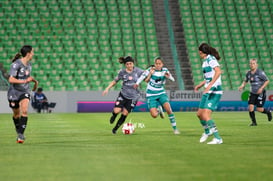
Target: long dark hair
[23,52]
[206,49]
[125,59]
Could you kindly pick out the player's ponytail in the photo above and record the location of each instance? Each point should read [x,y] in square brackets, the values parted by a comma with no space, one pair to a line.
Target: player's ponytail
[215,53]
[23,52]
[121,60]
[124,60]
[208,50]
[17,56]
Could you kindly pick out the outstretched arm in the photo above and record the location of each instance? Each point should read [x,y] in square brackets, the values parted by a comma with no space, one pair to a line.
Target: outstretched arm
[143,76]
[196,88]
[106,90]
[242,86]
[169,76]
[35,85]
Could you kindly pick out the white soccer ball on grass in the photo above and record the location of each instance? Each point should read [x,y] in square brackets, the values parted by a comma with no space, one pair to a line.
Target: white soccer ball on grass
[128,128]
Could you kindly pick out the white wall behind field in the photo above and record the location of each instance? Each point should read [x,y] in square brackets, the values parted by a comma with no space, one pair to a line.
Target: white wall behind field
[67,100]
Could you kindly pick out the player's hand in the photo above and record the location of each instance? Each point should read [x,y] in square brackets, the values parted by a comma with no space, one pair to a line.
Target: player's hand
[196,88]
[241,87]
[152,70]
[260,90]
[135,86]
[104,92]
[29,79]
[35,85]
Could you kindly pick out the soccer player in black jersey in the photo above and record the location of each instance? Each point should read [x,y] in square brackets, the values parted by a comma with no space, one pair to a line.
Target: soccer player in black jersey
[19,89]
[258,81]
[128,96]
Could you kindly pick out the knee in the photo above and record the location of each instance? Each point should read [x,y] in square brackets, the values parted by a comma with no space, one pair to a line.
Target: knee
[153,115]
[16,116]
[198,114]
[154,112]
[250,108]
[24,113]
[125,113]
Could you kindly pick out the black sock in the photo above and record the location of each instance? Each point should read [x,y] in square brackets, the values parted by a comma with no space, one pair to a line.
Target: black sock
[252,116]
[16,122]
[23,124]
[114,115]
[120,122]
[266,111]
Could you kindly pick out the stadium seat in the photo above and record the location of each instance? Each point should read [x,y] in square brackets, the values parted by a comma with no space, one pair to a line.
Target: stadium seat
[244,28]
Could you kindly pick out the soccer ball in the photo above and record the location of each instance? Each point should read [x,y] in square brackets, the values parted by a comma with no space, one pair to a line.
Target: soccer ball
[128,128]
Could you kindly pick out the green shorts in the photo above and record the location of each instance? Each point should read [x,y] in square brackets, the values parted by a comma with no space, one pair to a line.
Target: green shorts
[155,101]
[210,101]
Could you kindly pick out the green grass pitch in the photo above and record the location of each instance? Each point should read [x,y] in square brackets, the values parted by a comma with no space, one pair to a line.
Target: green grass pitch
[79,147]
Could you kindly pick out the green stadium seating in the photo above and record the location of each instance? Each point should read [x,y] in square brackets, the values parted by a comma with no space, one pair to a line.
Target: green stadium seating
[72,37]
[83,38]
[239,29]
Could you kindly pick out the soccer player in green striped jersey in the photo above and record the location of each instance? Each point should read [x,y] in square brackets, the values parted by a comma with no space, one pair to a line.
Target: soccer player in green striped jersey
[211,94]
[156,95]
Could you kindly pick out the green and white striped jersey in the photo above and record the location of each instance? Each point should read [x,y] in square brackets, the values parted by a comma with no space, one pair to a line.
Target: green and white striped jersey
[208,69]
[157,81]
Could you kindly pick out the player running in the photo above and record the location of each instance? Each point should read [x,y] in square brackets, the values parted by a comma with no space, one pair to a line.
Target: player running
[258,81]
[156,95]
[128,96]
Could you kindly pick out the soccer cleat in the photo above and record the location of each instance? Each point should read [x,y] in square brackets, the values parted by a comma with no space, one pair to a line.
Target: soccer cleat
[161,112]
[269,115]
[114,131]
[176,131]
[253,124]
[20,138]
[204,137]
[215,141]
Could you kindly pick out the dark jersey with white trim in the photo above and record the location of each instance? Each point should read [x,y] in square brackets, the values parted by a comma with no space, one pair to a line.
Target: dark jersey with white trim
[21,72]
[256,80]
[129,79]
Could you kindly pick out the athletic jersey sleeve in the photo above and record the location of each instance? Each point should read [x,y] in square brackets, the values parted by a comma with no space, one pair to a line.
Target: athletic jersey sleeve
[247,76]
[263,76]
[170,75]
[20,72]
[119,76]
[213,62]
[14,69]
[139,72]
[143,76]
